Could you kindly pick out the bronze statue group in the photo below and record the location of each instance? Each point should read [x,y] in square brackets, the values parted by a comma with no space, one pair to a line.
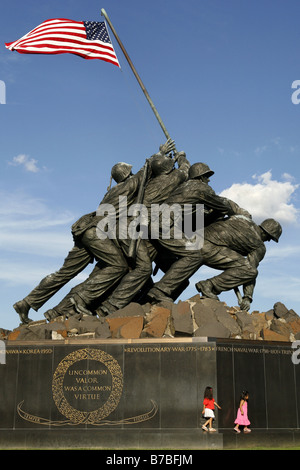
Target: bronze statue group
[232,243]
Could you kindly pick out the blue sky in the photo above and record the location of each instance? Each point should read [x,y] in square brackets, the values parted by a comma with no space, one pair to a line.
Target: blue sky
[220,74]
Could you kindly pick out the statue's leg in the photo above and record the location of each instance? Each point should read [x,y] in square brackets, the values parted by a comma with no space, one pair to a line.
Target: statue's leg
[78,258]
[133,281]
[113,267]
[187,263]
[236,269]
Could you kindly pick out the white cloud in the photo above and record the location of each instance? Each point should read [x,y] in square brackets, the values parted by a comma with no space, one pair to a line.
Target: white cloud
[21,213]
[41,243]
[288,177]
[260,150]
[280,287]
[285,252]
[28,225]
[266,198]
[12,273]
[29,164]
[19,203]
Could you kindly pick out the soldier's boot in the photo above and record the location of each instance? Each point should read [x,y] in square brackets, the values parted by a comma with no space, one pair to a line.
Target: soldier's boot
[22,308]
[51,314]
[105,309]
[80,305]
[155,295]
[206,289]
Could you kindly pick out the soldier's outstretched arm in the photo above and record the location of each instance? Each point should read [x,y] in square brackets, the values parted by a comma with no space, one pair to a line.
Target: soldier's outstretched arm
[239,210]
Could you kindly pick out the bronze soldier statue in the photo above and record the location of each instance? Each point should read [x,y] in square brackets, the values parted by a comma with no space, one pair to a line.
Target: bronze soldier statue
[235,246]
[97,284]
[89,291]
[194,191]
[87,247]
[165,179]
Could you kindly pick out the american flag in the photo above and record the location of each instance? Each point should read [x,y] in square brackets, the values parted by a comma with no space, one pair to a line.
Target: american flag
[88,39]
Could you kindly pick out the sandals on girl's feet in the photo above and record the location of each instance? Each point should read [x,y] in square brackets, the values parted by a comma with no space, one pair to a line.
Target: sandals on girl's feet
[237,430]
[247,430]
[204,428]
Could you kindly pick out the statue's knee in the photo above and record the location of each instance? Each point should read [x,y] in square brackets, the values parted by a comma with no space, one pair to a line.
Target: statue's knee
[123,267]
[145,269]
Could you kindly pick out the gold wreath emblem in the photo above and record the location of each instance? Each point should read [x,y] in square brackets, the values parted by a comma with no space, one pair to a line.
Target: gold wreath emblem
[92,417]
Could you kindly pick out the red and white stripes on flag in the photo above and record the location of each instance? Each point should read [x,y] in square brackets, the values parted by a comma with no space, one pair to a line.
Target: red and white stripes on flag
[88,39]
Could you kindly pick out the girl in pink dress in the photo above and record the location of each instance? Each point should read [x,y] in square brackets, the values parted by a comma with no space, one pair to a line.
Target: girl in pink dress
[242,414]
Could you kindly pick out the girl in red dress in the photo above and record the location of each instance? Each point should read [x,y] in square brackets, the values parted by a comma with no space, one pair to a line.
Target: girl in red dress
[209,404]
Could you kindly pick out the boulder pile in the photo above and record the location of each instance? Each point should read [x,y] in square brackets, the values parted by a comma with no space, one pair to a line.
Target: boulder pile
[195,317]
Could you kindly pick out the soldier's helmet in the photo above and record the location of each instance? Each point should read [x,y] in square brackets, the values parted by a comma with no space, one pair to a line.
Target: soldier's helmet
[272,228]
[120,171]
[199,169]
[162,165]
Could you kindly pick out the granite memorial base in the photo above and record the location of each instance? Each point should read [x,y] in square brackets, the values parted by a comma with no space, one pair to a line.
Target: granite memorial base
[142,394]
[270,372]
[109,394]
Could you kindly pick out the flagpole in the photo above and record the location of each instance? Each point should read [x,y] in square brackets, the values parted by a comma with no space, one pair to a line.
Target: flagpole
[103,13]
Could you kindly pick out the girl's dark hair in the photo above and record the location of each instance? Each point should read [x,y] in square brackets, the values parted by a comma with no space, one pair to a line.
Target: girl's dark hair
[244,394]
[208,393]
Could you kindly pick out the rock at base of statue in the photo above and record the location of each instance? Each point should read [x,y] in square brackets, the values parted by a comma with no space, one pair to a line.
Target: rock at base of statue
[195,317]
